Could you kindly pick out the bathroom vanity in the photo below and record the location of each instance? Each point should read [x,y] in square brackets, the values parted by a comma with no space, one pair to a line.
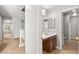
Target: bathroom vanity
[49,43]
[48,33]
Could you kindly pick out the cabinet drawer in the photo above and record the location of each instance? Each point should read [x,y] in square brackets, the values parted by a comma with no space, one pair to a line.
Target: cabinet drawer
[46,44]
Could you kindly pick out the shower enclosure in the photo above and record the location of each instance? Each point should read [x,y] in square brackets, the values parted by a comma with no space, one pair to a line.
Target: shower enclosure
[71,24]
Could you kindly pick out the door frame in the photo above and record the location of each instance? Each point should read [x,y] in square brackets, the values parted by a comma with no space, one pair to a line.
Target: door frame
[3,28]
[62,39]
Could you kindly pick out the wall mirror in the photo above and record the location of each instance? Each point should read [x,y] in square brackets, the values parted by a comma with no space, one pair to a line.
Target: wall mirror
[49,23]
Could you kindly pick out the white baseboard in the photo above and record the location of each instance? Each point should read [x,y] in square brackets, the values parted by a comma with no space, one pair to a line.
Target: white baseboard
[21,45]
[16,37]
[59,48]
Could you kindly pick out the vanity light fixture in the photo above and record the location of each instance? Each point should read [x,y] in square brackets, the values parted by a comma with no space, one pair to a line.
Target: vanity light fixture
[43,12]
[74,12]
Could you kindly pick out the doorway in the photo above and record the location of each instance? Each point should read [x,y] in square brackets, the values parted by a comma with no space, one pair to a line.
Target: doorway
[7,28]
[12,43]
[70,29]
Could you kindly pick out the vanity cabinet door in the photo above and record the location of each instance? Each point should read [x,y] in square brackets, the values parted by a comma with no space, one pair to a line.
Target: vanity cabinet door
[54,41]
[46,44]
[51,44]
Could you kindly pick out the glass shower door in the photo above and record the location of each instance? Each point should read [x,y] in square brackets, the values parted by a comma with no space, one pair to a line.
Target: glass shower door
[74,27]
[66,26]
[78,26]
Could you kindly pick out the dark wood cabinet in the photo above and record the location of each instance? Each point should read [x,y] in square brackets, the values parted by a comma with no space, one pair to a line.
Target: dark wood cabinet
[49,44]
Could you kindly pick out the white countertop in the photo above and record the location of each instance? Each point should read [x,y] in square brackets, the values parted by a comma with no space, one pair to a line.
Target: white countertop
[48,35]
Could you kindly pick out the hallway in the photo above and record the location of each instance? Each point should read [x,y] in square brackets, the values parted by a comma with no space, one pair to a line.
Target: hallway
[11,46]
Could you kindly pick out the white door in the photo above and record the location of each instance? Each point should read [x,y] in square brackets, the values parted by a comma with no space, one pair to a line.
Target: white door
[0,29]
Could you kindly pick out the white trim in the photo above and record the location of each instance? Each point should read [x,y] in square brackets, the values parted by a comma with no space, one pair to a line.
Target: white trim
[16,37]
[69,30]
[21,44]
[69,9]
[62,24]
[59,48]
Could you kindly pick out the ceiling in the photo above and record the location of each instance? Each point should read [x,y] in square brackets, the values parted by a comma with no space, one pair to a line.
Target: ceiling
[55,7]
[11,10]
[48,7]
[16,10]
